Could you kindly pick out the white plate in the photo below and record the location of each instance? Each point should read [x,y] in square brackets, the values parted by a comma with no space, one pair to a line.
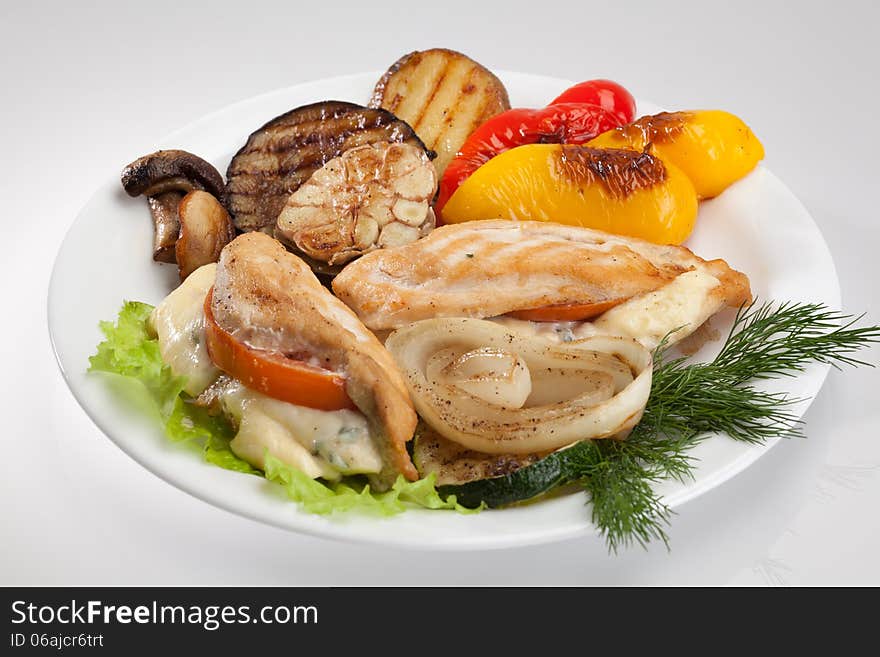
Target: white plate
[757,225]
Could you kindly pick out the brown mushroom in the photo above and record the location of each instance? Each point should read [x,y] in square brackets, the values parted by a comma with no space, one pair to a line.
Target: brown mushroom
[164,177]
[205,228]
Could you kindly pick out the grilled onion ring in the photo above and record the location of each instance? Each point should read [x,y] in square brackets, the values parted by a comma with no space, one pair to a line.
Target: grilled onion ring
[616,375]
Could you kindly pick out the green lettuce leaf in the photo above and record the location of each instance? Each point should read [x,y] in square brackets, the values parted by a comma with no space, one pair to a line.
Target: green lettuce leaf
[315,497]
[129,350]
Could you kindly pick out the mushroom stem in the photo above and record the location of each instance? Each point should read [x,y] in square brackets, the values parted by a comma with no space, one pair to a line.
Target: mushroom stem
[164,177]
[166,224]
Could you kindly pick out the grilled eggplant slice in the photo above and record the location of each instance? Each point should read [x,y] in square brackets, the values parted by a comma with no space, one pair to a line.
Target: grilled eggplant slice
[284,153]
[443,95]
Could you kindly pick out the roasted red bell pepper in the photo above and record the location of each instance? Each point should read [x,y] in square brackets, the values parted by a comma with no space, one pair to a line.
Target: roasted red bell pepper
[581,113]
[567,123]
[607,94]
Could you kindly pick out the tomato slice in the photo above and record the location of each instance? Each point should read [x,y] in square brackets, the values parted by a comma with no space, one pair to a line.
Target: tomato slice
[274,375]
[567,312]
[607,94]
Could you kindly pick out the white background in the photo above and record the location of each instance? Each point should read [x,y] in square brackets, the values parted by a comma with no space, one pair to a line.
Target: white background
[87,89]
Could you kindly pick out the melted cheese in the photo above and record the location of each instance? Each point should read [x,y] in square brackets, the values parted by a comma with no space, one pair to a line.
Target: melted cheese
[259,434]
[179,322]
[684,303]
[325,444]
[552,331]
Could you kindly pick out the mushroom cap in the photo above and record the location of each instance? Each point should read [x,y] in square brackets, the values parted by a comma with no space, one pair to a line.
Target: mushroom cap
[205,228]
[171,170]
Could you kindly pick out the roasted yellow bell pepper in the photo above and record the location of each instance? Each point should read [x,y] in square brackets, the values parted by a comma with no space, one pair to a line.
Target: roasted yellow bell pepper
[714,148]
[617,191]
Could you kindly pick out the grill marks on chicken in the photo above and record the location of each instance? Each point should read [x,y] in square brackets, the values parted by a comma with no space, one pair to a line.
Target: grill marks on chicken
[490,268]
[270,299]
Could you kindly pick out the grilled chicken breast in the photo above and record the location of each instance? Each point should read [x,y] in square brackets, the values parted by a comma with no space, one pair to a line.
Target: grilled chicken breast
[490,268]
[271,300]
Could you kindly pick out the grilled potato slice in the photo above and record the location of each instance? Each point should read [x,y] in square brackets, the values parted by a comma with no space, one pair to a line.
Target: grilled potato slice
[284,153]
[443,95]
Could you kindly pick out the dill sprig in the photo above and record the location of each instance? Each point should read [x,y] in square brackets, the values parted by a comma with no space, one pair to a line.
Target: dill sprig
[690,402]
[767,342]
[619,485]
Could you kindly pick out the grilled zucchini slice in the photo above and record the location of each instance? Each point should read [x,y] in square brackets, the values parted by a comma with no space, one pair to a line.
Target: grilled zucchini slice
[443,95]
[528,482]
[454,464]
[494,480]
[284,153]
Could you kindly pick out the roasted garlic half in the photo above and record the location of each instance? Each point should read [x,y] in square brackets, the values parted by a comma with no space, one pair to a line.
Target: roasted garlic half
[368,198]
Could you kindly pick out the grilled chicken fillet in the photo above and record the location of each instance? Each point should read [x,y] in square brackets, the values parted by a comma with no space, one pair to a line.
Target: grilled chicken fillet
[491,268]
[270,300]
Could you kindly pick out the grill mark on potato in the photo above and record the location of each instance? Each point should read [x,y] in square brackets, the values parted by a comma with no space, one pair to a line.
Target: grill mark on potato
[392,106]
[450,113]
[484,112]
[384,84]
[454,131]
[411,93]
[443,99]
[447,98]
[438,91]
[441,78]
